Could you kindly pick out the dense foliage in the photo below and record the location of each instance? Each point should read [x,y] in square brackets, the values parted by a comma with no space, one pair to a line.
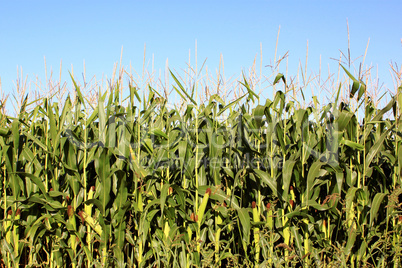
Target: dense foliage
[213,184]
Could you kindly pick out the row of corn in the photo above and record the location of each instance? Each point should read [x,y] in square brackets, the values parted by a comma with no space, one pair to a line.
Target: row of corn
[262,183]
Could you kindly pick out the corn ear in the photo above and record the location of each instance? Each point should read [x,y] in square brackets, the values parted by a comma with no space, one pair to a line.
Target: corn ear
[94,225]
[166,229]
[7,226]
[203,206]
[270,220]
[16,231]
[256,219]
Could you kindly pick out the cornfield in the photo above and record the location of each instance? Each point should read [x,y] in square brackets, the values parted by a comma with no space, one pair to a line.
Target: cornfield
[136,182]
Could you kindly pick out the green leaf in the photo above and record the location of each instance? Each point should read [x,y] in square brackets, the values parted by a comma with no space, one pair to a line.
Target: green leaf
[352,233]
[102,120]
[35,180]
[230,105]
[218,194]
[375,148]
[353,145]
[78,90]
[102,167]
[279,136]
[357,85]
[287,176]
[278,77]
[314,172]
[266,178]
[349,74]
[158,132]
[164,194]
[97,203]
[344,119]
[251,93]
[245,224]
[375,206]
[182,89]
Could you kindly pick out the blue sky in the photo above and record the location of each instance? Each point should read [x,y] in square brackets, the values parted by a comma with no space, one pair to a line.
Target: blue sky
[96,31]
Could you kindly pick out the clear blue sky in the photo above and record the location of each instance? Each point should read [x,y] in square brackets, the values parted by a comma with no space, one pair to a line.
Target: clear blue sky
[95,31]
